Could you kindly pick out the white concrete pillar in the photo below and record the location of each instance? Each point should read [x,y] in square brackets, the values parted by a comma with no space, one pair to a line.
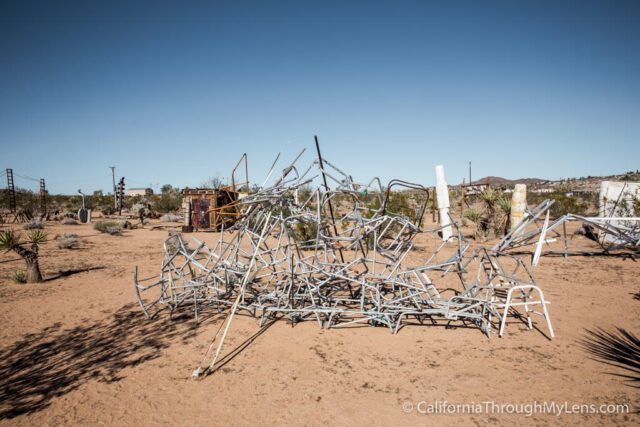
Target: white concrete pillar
[186,209]
[442,197]
[518,204]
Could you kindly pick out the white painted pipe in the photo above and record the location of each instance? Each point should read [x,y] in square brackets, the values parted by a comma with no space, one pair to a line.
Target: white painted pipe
[442,197]
[518,204]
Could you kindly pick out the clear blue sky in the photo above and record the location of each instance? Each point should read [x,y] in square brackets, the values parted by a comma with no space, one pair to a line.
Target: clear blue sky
[175,91]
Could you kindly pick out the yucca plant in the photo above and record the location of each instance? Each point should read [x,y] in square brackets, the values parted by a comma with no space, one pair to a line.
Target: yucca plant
[489,196]
[19,277]
[28,250]
[504,206]
[475,216]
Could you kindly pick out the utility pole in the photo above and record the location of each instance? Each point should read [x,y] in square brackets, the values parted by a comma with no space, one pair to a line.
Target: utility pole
[115,197]
[469,172]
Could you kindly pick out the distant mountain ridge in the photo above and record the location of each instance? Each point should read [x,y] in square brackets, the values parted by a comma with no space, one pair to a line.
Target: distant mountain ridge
[498,180]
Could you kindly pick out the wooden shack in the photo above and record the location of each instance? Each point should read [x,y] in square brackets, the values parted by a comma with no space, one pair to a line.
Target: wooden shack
[210,208]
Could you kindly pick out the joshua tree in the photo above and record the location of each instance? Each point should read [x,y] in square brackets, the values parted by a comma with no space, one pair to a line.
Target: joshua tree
[9,241]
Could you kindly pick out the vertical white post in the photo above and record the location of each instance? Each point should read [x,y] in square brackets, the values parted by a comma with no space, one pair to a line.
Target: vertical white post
[442,195]
[186,208]
[518,204]
[603,199]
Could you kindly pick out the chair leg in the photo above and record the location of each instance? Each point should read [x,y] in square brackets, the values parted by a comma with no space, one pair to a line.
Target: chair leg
[506,312]
[527,311]
[546,313]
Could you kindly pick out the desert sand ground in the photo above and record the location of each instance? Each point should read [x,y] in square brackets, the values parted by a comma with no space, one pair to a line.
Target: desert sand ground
[77,350]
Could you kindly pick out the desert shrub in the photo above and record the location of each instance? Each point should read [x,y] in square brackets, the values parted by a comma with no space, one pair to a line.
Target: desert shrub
[34,224]
[473,215]
[68,241]
[69,214]
[107,210]
[170,218]
[170,200]
[502,215]
[304,231]
[504,204]
[173,245]
[576,203]
[19,277]
[114,230]
[476,216]
[399,203]
[109,227]
[491,215]
[69,221]
[136,208]
[304,193]
[371,204]
[565,204]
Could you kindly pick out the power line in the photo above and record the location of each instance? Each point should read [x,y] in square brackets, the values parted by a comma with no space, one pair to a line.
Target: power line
[26,177]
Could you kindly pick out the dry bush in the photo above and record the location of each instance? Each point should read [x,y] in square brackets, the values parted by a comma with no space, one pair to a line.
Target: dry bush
[170,218]
[109,227]
[34,224]
[68,241]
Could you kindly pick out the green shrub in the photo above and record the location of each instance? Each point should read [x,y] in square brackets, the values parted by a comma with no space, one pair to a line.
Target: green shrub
[399,203]
[19,277]
[170,200]
[305,231]
[107,210]
[477,217]
[576,203]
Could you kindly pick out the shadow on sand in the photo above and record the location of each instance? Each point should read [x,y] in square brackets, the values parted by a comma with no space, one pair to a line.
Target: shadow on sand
[67,273]
[618,348]
[54,361]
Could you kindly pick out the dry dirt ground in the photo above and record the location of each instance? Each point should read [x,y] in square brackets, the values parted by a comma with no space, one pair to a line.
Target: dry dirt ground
[77,350]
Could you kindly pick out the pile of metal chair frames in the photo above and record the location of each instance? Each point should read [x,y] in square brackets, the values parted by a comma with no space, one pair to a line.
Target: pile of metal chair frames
[339,255]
